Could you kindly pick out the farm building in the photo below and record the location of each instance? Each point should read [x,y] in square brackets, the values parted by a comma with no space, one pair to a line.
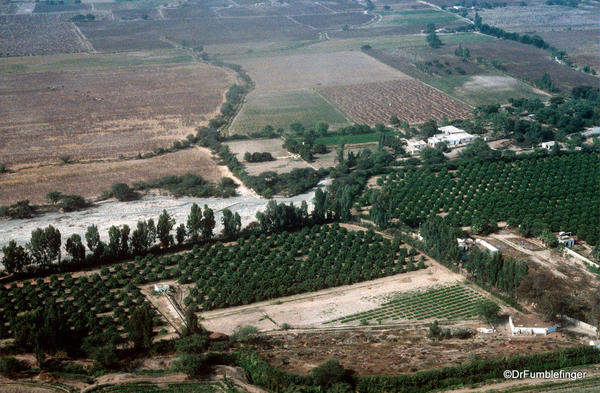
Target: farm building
[591,132]
[548,145]
[523,325]
[415,146]
[491,249]
[452,136]
[566,239]
[162,288]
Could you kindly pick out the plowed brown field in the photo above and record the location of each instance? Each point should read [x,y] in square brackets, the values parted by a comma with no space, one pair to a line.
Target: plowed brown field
[410,100]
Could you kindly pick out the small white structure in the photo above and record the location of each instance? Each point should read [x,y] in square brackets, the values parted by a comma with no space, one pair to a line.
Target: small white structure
[566,239]
[491,249]
[452,136]
[548,145]
[464,244]
[518,328]
[415,146]
[594,131]
[162,288]
[486,330]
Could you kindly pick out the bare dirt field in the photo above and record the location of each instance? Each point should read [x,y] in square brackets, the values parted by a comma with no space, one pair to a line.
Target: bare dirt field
[104,113]
[582,46]
[314,70]
[90,179]
[395,350]
[530,63]
[312,310]
[408,99]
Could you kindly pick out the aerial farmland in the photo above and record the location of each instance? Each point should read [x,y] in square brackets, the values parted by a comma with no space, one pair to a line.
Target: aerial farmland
[337,196]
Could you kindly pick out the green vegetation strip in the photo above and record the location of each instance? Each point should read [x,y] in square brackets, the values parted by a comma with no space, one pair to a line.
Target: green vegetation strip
[443,302]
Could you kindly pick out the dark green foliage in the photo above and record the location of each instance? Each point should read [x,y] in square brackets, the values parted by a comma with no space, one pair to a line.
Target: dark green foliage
[192,364]
[21,209]
[15,257]
[560,192]
[208,224]
[495,270]
[191,185]
[123,192]
[232,224]
[329,373]
[258,157]
[92,239]
[102,348]
[439,239]
[195,343]
[433,40]
[70,203]
[279,217]
[488,310]
[53,197]
[180,234]
[75,248]
[294,182]
[164,227]
[45,245]
[140,327]
[194,222]
[432,156]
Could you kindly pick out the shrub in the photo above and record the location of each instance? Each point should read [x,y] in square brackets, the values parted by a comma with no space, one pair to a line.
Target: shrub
[123,192]
[191,364]
[244,334]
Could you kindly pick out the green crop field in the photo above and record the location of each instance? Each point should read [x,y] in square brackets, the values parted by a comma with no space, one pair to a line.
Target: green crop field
[443,302]
[335,140]
[283,109]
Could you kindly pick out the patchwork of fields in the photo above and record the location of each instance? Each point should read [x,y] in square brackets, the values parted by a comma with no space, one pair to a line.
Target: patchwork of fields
[105,113]
[409,100]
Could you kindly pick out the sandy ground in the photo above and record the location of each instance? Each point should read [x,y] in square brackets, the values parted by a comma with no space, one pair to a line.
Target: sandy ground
[311,310]
[90,179]
[112,212]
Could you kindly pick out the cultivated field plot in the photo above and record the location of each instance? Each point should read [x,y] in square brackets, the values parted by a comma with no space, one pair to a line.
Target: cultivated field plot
[419,18]
[410,100]
[283,109]
[333,20]
[530,63]
[26,35]
[444,302]
[104,113]
[582,46]
[537,16]
[90,179]
[313,70]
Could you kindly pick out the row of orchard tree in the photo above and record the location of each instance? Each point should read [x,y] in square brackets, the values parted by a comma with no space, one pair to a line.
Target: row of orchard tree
[45,245]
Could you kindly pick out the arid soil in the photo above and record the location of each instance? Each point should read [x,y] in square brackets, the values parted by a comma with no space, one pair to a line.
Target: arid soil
[93,113]
[90,179]
[396,350]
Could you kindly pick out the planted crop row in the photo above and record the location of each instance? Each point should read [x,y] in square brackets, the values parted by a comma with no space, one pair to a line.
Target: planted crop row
[445,302]
[562,192]
[249,270]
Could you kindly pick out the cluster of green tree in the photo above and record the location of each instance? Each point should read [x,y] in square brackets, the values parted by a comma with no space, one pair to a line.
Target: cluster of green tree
[265,267]
[560,190]
[66,202]
[21,209]
[568,3]
[433,40]
[191,185]
[306,148]
[291,183]
[464,53]
[438,333]
[44,319]
[267,131]
[341,380]
[258,157]
[495,270]
[535,40]
[233,99]
[44,248]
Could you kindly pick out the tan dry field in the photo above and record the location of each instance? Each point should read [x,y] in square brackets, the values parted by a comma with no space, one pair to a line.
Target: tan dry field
[408,99]
[91,113]
[396,350]
[90,179]
[312,310]
[313,70]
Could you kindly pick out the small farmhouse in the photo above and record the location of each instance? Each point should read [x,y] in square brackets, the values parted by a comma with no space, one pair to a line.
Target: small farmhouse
[452,136]
[162,288]
[415,146]
[490,248]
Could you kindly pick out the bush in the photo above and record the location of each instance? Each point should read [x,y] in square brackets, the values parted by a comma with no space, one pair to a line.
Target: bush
[123,192]
[192,364]
[72,202]
[329,373]
[244,334]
